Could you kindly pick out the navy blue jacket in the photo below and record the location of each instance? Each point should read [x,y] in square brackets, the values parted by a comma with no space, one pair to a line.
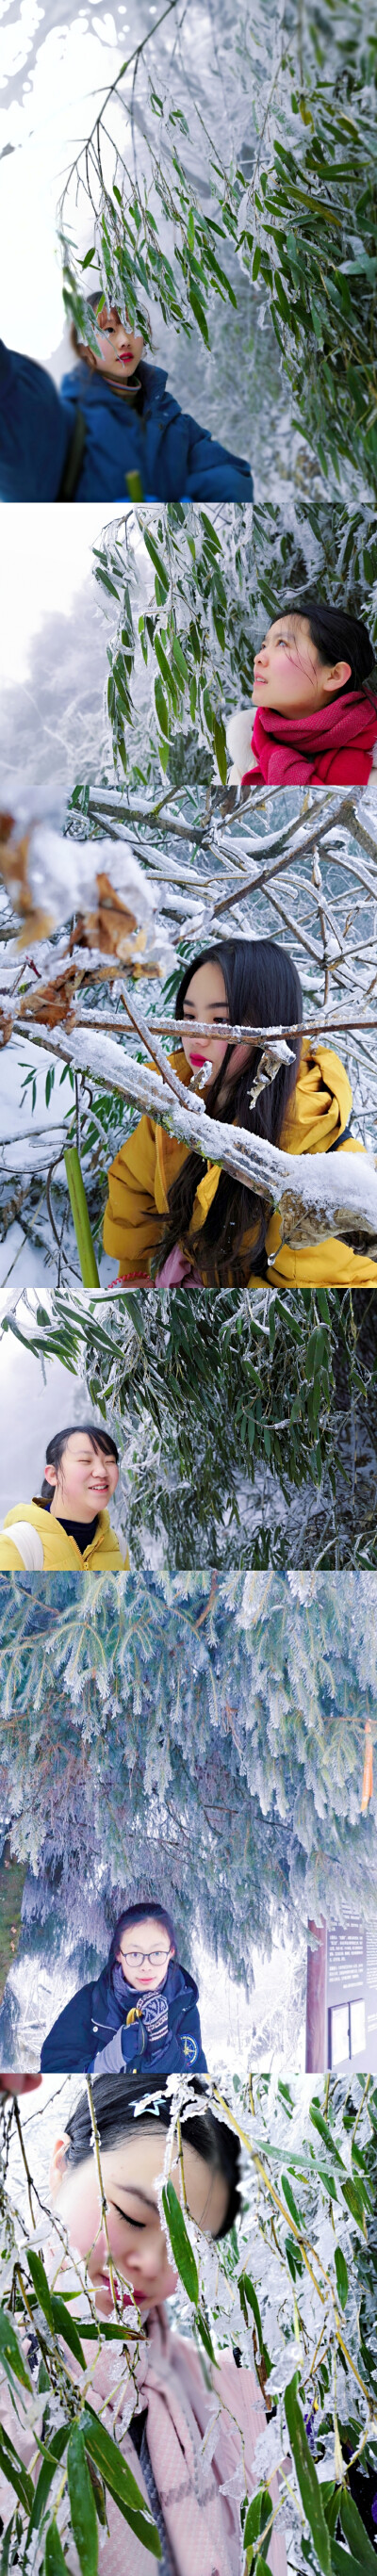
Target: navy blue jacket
[176,460]
[85,2027]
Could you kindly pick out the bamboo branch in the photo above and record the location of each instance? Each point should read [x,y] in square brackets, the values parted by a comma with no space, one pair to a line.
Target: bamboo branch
[316,1194]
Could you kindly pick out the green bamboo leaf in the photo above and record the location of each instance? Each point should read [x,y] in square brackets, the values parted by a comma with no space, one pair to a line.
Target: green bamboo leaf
[205,2337]
[219,737]
[40,2284]
[180,2242]
[200,316]
[355,2533]
[156,559]
[164,667]
[161,707]
[55,2562]
[248,2293]
[81,2498]
[291,2203]
[306,2473]
[344,2563]
[120,2481]
[13,2469]
[258,2516]
[325,2133]
[10,2351]
[46,2474]
[341,2276]
[180,659]
[64,2324]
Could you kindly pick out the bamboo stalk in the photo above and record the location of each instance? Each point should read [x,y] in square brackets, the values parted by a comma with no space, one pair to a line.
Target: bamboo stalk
[80,1213]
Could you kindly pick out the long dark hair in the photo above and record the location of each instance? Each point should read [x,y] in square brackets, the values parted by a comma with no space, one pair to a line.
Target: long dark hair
[337,636]
[136,1914]
[116,2100]
[262,986]
[56,1447]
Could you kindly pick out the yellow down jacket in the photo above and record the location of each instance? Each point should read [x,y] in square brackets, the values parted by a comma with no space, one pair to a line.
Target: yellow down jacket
[144,1169]
[59,1551]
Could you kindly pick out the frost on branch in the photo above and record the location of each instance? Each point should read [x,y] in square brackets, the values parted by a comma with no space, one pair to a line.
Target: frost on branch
[317,1194]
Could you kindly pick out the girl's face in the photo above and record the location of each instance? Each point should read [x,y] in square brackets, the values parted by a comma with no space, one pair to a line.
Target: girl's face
[85,1480]
[137,2242]
[288,674]
[206,1000]
[144,1953]
[120,350]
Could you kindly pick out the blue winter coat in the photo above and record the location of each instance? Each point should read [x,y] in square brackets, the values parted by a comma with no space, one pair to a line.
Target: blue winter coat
[86,2026]
[176,460]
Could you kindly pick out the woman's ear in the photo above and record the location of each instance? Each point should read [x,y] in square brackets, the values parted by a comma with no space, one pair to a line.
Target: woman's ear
[50,1475]
[336,678]
[58,2164]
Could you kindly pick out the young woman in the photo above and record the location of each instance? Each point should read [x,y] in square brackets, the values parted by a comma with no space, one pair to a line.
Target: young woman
[68,1524]
[143,2009]
[314,715]
[174,1214]
[193,2489]
[112,418]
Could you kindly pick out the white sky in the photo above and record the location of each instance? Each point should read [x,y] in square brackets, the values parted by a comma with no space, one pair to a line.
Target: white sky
[45,556]
[49,120]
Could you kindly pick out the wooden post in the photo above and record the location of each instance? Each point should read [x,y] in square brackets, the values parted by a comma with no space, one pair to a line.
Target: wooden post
[316,2017]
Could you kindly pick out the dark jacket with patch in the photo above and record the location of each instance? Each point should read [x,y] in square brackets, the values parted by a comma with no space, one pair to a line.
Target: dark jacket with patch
[174,458]
[86,2027]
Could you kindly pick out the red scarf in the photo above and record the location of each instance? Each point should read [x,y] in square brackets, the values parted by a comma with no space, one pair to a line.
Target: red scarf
[335,744]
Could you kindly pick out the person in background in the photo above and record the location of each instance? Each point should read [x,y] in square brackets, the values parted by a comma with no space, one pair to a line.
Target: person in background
[142,2010]
[175,1215]
[68,1523]
[313,713]
[192,2487]
[113,420]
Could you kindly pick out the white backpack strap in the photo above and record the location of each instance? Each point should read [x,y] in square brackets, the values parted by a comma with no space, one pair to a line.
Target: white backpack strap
[29,1544]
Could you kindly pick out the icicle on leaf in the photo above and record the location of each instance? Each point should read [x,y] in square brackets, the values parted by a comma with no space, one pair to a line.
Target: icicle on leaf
[180,2242]
[306,2473]
[83,2511]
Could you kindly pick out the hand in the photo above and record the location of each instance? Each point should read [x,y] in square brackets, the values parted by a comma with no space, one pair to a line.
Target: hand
[19,2083]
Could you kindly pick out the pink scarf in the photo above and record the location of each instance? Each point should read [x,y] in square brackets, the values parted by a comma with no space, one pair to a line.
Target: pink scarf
[335,744]
[202,2524]
[175,1268]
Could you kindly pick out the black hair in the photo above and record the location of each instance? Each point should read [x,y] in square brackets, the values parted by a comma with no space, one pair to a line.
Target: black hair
[337,636]
[263,986]
[78,345]
[136,1914]
[116,2102]
[56,1446]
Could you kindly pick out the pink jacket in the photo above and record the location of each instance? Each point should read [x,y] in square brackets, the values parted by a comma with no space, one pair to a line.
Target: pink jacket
[201,2521]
